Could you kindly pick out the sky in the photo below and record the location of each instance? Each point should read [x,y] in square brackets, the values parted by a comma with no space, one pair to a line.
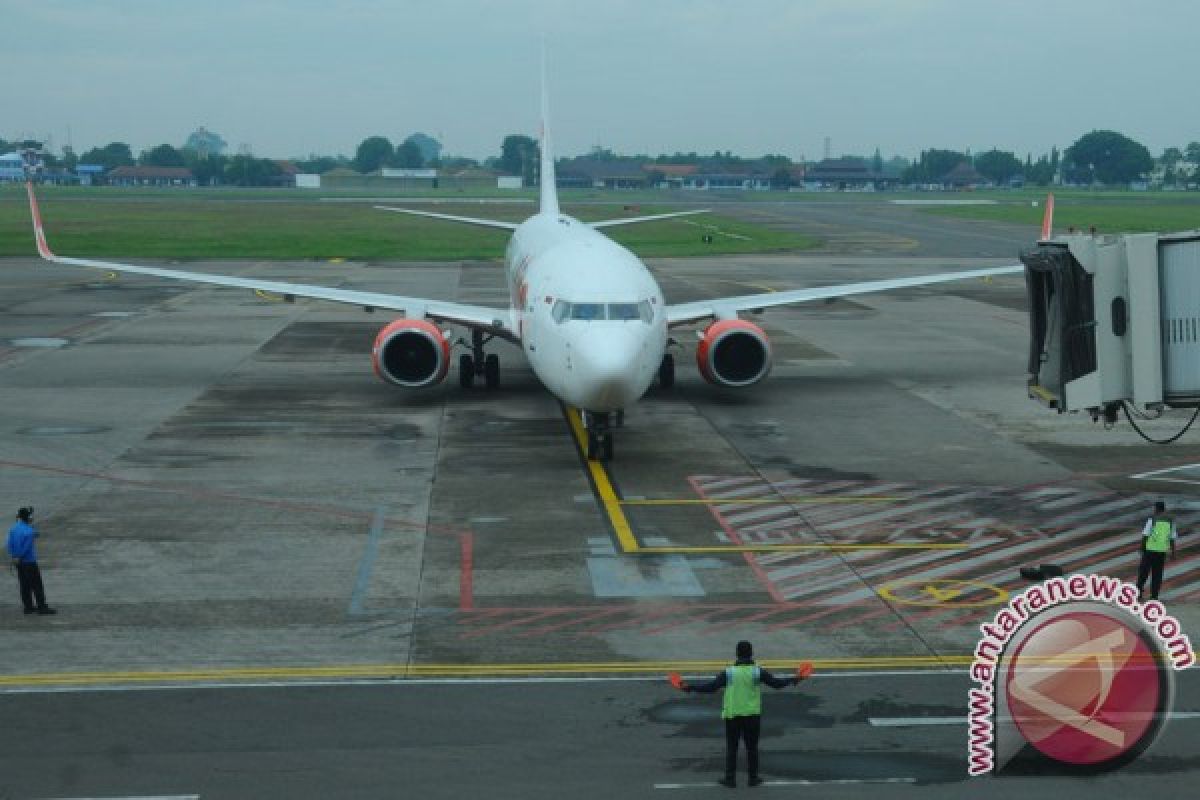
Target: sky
[289,78]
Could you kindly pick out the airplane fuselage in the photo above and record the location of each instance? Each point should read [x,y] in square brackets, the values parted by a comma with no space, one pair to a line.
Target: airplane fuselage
[589,315]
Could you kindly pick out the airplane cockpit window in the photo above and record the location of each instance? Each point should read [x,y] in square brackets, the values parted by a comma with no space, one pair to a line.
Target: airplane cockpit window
[623,311]
[562,311]
[587,311]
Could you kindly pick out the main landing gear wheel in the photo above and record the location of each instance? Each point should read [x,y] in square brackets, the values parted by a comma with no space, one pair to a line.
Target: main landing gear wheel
[466,371]
[491,371]
[478,364]
[666,371]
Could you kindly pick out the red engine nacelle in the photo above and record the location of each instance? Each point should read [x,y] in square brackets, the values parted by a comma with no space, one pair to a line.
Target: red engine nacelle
[734,352]
[411,353]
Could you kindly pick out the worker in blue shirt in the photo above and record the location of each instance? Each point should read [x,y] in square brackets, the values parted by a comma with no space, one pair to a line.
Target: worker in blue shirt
[24,560]
[741,707]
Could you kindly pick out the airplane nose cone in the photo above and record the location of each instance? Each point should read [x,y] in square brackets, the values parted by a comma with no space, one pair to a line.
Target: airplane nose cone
[607,371]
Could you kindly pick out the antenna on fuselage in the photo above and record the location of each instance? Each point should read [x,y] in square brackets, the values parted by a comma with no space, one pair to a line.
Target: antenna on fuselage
[547,187]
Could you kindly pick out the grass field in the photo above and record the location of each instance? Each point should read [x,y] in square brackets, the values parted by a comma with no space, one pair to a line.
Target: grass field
[1115,212]
[183,224]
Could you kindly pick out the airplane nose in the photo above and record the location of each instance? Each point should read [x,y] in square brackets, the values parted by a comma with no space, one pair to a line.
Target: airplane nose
[606,368]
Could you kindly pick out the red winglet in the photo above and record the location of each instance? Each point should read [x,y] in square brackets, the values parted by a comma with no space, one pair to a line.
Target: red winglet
[1048,219]
[805,670]
[676,680]
[38,234]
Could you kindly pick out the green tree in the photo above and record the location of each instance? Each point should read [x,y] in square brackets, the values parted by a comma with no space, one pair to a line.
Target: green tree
[162,156]
[429,147]
[781,178]
[877,162]
[207,168]
[998,165]
[1107,157]
[408,154]
[1171,156]
[69,159]
[317,164]
[113,154]
[519,156]
[458,162]
[933,165]
[373,153]
[242,170]
[1192,151]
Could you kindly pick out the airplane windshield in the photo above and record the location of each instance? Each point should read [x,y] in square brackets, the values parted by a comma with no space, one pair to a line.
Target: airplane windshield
[587,311]
[623,311]
[591,312]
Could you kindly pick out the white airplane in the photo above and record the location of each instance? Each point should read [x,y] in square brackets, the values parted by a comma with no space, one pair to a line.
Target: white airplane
[590,318]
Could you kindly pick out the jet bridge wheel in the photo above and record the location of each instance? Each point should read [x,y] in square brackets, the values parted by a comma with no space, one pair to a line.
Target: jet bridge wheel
[466,371]
[491,371]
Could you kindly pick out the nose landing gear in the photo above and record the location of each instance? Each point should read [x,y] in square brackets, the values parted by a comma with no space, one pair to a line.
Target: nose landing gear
[599,434]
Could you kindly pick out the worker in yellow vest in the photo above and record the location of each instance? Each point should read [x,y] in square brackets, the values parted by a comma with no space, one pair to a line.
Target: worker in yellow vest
[741,706]
[1158,536]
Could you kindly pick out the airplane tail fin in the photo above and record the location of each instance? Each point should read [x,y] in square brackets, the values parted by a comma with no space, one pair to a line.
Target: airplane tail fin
[39,235]
[547,187]
[1048,219]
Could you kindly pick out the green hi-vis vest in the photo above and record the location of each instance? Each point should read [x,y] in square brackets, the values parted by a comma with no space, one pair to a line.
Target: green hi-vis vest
[1159,540]
[743,693]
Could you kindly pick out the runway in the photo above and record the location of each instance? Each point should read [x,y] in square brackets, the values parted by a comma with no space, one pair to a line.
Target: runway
[229,497]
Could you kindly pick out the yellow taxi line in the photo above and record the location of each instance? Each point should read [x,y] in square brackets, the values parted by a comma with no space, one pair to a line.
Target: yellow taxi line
[761,501]
[628,542]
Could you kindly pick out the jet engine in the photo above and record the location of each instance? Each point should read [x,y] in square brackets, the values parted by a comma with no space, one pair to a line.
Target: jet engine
[734,352]
[411,353]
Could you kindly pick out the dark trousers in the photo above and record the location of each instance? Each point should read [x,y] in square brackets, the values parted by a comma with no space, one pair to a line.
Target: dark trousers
[746,729]
[1151,567]
[30,578]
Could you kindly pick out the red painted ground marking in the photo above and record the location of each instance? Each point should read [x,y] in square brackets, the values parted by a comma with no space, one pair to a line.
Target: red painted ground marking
[526,622]
[501,626]
[480,616]
[870,601]
[579,620]
[732,623]
[733,537]
[859,619]
[638,621]
[690,617]
[466,590]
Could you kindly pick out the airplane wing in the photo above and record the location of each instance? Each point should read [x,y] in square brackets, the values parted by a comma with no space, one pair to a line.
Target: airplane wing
[512,226]
[494,320]
[728,307]
[612,223]
[483,223]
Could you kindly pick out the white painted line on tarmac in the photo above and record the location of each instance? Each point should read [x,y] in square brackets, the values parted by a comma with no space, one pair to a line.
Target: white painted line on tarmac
[136,797]
[415,683]
[831,782]
[909,722]
[912,722]
[1153,475]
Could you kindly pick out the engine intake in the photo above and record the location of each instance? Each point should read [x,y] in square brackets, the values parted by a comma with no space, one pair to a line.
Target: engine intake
[734,352]
[411,353]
